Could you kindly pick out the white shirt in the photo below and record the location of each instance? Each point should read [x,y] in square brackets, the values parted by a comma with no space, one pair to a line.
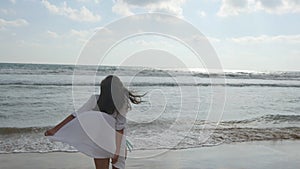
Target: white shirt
[91,104]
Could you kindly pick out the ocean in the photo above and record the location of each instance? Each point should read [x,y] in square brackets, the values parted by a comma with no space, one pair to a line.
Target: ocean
[259,105]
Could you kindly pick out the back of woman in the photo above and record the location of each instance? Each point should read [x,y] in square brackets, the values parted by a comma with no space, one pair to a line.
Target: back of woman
[98,128]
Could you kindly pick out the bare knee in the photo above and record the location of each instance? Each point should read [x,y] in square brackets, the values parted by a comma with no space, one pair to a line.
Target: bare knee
[101,163]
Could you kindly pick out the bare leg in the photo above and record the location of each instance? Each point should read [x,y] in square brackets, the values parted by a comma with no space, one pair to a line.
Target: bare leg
[101,163]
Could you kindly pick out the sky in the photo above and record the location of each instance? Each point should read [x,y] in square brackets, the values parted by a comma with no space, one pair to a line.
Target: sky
[259,35]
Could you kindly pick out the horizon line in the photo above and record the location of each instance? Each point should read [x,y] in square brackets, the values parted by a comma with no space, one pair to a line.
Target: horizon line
[70,64]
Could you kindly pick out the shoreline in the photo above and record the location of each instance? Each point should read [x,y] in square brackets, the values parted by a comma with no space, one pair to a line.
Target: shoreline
[257,154]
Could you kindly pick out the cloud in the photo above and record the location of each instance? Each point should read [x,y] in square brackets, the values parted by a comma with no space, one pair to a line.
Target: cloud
[79,35]
[201,14]
[82,15]
[13,23]
[25,43]
[234,7]
[52,34]
[203,38]
[213,39]
[268,39]
[7,11]
[85,1]
[122,8]
[125,7]
[13,1]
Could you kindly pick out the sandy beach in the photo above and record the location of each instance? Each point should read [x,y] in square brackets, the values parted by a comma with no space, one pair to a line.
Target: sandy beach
[247,155]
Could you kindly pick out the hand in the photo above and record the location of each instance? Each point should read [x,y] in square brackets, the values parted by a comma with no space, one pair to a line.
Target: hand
[50,132]
[115,159]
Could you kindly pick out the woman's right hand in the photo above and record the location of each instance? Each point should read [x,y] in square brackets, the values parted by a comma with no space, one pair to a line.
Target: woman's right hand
[50,132]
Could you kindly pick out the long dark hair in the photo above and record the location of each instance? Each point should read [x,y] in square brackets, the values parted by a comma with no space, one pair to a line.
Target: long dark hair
[114,96]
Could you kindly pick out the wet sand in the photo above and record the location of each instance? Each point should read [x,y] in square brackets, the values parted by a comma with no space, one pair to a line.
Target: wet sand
[248,155]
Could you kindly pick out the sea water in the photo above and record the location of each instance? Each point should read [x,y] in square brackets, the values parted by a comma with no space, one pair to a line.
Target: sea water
[258,105]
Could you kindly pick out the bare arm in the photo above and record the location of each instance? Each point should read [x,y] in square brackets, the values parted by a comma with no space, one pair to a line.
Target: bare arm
[52,131]
[119,135]
[89,105]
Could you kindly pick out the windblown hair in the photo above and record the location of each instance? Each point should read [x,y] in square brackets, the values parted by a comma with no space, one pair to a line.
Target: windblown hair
[114,96]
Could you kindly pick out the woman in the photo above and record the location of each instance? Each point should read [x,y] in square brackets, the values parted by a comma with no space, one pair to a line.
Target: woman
[97,129]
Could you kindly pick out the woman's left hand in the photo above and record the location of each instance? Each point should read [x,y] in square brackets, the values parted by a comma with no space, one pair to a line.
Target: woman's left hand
[115,159]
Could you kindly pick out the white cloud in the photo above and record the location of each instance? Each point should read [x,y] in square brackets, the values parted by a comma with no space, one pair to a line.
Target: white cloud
[233,7]
[122,8]
[268,39]
[201,14]
[13,1]
[82,15]
[83,34]
[154,43]
[85,1]
[125,7]
[279,6]
[213,39]
[52,34]
[13,23]
[24,43]
[236,7]
[7,11]
[78,35]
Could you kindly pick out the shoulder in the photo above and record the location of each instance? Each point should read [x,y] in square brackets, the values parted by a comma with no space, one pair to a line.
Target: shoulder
[93,99]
